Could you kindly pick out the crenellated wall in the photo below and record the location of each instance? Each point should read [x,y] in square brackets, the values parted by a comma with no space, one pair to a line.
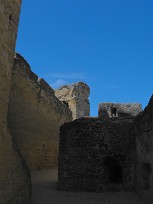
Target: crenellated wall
[15,182]
[143,130]
[35,115]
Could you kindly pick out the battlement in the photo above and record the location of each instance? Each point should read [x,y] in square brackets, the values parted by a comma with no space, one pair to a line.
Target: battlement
[35,114]
[23,67]
[118,109]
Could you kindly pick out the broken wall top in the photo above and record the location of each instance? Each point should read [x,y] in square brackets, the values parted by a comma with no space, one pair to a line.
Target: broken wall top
[79,89]
[119,109]
[45,92]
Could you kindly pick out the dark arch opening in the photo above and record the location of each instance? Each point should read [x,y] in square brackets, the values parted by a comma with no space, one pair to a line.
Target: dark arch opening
[113,111]
[113,171]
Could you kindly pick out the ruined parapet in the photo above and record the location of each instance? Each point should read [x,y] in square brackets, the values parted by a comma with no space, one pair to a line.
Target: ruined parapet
[76,97]
[34,117]
[15,181]
[118,109]
[143,130]
[97,155]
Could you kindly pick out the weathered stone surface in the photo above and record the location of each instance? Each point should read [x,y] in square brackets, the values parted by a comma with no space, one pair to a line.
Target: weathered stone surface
[112,152]
[34,117]
[119,109]
[97,155]
[15,183]
[143,129]
[76,97]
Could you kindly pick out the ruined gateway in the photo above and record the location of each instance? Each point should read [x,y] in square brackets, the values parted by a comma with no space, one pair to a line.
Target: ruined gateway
[117,147]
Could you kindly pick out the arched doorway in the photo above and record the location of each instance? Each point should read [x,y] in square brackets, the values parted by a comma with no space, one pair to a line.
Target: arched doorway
[114,173]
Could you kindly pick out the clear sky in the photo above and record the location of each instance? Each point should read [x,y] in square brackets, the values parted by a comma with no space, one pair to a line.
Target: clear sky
[106,43]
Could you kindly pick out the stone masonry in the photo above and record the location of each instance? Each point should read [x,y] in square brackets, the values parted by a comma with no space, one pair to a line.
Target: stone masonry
[118,109]
[143,130]
[34,117]
[97,154]
[15,183]
[111,152]
[76,97]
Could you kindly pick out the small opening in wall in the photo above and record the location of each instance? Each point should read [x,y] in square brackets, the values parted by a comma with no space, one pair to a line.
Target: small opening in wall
[114,171]
[11,17]
[113,111]
[66,103]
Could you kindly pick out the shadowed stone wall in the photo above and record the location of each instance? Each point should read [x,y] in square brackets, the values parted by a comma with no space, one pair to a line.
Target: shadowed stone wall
[144,139]
[35,115]
[97,155]
[15,183]
[76,96]
[113,153]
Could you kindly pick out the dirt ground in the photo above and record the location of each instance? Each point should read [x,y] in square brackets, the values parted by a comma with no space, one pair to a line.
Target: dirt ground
[44,192]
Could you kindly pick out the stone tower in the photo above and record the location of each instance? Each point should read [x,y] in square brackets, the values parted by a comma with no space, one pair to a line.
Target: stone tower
[76,97]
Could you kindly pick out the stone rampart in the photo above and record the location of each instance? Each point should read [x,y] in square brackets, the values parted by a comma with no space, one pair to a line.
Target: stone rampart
[34,117]
[15,183]
[143,127]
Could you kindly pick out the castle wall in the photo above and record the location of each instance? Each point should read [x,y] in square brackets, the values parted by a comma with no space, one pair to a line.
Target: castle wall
[118,109]
[144,139]
[35,115]
[15,183]
[97,155]
[76,97]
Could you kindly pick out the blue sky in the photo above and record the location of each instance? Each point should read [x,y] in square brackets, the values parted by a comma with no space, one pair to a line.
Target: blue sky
[106,43]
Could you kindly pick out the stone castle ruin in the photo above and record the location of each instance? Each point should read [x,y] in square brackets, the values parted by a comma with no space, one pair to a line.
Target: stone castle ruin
[76,97]
[113,151]
[30,115]
[34,116]
[102,154]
